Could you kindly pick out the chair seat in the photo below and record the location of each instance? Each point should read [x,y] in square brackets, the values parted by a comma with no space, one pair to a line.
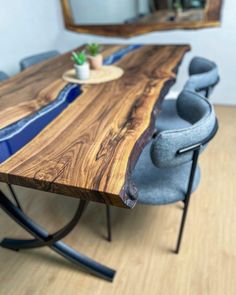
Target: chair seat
[161,186]
[168,119]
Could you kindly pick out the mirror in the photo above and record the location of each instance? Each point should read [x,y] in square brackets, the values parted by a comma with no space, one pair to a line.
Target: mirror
[132,17]
[109,12]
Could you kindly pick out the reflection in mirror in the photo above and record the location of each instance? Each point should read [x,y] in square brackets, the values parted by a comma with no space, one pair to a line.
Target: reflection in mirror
[113,12]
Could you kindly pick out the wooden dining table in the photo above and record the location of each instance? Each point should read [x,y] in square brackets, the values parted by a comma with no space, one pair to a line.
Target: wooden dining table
[90,139]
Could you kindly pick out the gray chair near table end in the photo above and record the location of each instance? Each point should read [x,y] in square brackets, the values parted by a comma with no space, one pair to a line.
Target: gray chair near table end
[37,58]
[203,77]
[3,76]
[167,169]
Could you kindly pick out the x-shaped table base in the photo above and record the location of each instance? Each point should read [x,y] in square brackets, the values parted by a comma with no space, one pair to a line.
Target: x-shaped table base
[42,238]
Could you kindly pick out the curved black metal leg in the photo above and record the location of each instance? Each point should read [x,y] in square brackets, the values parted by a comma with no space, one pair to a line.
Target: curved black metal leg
[15,244]
[79,259]
[15,197]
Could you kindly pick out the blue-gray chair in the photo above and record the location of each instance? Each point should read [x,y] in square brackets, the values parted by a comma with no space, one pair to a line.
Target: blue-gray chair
[37,58]
[203,77]
[168,118]
[167,170]
[3,76]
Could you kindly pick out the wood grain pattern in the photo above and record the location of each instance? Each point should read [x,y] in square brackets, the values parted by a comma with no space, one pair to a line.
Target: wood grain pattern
[144,238]
[212,18]
[14,113]
[89,151]
[27,92]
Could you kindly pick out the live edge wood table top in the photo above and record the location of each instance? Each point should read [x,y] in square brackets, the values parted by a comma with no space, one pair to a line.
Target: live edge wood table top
[91,148]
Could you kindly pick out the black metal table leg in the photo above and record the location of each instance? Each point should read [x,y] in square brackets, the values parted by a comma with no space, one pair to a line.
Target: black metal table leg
[14,196]
[43,237]
[16,244]
[109,235]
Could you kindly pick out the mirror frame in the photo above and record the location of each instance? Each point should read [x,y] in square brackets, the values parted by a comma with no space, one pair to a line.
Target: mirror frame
[212,18]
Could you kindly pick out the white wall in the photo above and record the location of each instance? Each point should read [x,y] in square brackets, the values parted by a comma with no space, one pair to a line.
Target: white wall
[30,26]
[27,27]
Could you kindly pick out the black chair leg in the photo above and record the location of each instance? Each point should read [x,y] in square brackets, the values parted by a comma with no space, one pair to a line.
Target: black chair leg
[181,231]
[187,197]
[109,235]
[207,92]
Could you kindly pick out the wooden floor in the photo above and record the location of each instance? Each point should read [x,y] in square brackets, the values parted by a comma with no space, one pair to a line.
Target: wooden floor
[143,239]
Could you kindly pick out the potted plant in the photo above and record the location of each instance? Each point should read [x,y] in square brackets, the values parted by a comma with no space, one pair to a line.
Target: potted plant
[178,8]
[94,56]
[81,65]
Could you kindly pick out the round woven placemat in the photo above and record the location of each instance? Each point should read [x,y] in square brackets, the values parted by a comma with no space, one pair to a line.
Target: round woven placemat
[105,74]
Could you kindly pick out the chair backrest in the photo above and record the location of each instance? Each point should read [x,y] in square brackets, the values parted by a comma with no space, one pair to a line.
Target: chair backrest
[3,76]
[203,75]
[200,65]
[38,58]
[195,109]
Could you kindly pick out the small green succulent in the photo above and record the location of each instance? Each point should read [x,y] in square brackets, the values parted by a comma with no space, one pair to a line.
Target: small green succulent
[93,49]
[79,58]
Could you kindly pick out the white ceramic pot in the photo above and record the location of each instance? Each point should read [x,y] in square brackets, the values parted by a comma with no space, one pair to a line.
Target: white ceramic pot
[82,72]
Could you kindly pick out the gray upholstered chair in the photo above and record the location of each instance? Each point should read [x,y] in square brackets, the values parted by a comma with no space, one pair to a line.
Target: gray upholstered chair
[168,118]
[36,59]
[3,76]
[167,170]
[203,77]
